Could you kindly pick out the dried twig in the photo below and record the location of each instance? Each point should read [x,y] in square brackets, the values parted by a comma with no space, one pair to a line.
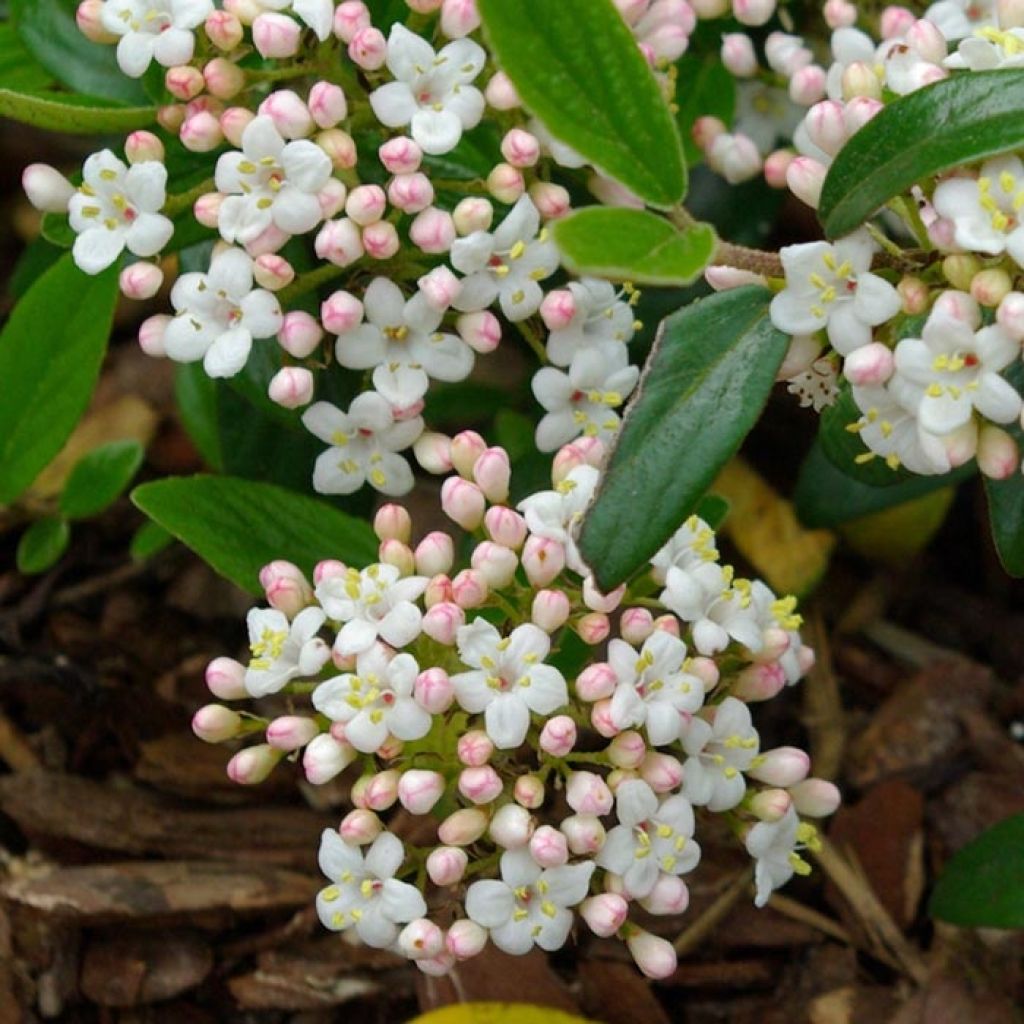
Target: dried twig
[693,936]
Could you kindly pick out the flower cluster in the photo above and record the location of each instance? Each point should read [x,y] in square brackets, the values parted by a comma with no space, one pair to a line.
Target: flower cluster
[567,741]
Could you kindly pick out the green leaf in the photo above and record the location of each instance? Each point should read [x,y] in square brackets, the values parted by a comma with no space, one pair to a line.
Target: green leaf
[633,245]
[196,395]
[99,477]
[1006,499]
[50,355]
[714,510]
[238,526]
[703,389]
[983,885]
[149,539]
[577,67]
[704,88]
[955,121]
[42,544]
[19,70]
[72,117]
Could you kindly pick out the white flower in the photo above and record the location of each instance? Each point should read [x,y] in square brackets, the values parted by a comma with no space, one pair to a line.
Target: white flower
[603,320]
[849,46]
[765,114]
[691,545]
[270,182]
[832,287]
[402,344]
[719,752]
[219,314]
[117,207]
[985,211]
[364,442]
[557,515]
[375,700]
[563,155]
[282,651]
[781,612]
[817,386]
[508,679]
[650,839]
[506,265]
[431,92]
[528,906]
[654,689]
[365,893]
[906,69]
[160,29]
[989,49]
[584,400]
[317,14]
[373,603]
[774,845]
[958,18]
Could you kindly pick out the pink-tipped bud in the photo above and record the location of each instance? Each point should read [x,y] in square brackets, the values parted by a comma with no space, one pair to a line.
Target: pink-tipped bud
[438,589]
[273,272]
[770,804]
[151,335]
[446,865]
[171,117]
[206,209]
[998,454]
[653,955]
[520,148]
[435,554]
[506,183]
[339,146]
[326,757]
[807,85]
[594,628]
[225,678]
[558,736]
[466,447]
[959,306]
[474,748]
[815,798]
[141,280]
[775,641]
[459,18]
[223,79]
[444,620]
[465,939]
[759,682]
[474,213]
[670,895]
[584,833]
[398,554]
[327,105]
[290,732]
[286,588]
[381,240]
[412,193]
[463,502]
[349,18]
[300,334]
[224,30]
[401,156]
[420,940]
[662,772]
[826,126]
[276,36]
[201,133]
[462,827]
[668,624]
[492,472]
[860,80]
[839,14]
[501,93]
[341,312]
[990,287]
[339,242]
[636,625]
[871,364]
[418,790]
[495,563]
[290,115]
[915,295]
[552,201]
[543,560]
[587,793]
[480,331]
[480,785]
[596,682]
[549,847]
[776,165]
[433,452]
[434,691]
[215,723]
[627,750]
[368,48]
[735,157]
[1010,315]
[251,766]
[705,130]
[360,827]
[505,527]
[511,826]
[753,13]
[605,914]
[432,230]
[602,721]
[738,54]
[142,146]
[393,522]
[291,387]
[859,111]
[380,791]
[783,766]
[89,19]
[528,791]
[366,204]
[598,602]
[805,177]
[470,589]
[550,610]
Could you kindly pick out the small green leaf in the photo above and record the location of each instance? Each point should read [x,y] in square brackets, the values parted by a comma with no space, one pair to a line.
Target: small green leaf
[703,87]
[42,544]
[238,526]
[633,245]
[577,67]
[983,885]
[50,355]
[72,117]
[18,69]
[956,121]
[149,539]
[703,389]
[99,477]
[1006,499]
[714,510]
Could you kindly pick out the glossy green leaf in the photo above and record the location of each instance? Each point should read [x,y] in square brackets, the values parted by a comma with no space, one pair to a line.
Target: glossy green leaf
[1006,499]
[238,526]
[72,117]
[149,539]
[702,391]
[99,477]
[703,88]
[955,121]
[577,67]
[50,355]
[633,245]
[42,544]
[19,70]
[983,885]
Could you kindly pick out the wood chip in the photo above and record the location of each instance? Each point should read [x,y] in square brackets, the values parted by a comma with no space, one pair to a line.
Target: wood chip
[616,993]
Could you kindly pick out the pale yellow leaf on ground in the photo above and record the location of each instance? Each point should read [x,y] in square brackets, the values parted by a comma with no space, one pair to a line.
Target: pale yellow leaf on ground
[895,535]
[497,1013]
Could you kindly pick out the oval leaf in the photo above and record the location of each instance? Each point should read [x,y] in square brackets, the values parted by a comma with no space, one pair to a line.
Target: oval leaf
[238,526]
[703,389]
[1006,500]
[633,245]
[576,66]
[497,1013]
[74,118]
[955,121]
[52,347]
[983,885]
[42,544]
[99,477]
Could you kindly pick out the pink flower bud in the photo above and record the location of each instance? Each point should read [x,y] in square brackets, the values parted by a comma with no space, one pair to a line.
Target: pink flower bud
[501,93]
[492,472]
[366,204]
[465,939]
[393,522]
[550,610]
[349,18]
[463,502]
[325,757]
[475,748]
[412,193]
[481,784]
[360,827]
[759,682]
[925,37]
[223,78]
[1010,315]
[291,387]
[584,451]
[438,589]
[511,826]
[528,791]
[506,183]
[398,554]
[273,272]
[669,896]
[269,240]
[662,772]
[339,242]
[998,454]
[381,240]
[151,335]
[215,723]
[435,554]
[440,287]
[401,155]
[201,133]
[418,790]
[290,115]
[141,146]
[872,364]
[549,847]
[705,130]
[587,793]
[466,447]
[432,230]
[276,36]
[826,126]
[584,833]
[596,682]
[605,914]
[446,865]
[958,305]
[251,766]
[290,732]
[89,19]
[653,955]
[443,621]
[224,30]
[775,167]
[327,104]
[463,827]
[839,14]
[433,452]
[752,12]
[859,111]
[558,736]
[300,334]
[667,623]
[368,48]
[469,589]
[474,213]
[598,602]
[990,287]
[171,117]
[495,563]
[434,691]
[225,678]
[381,790]
[738,54]
[552,201]
[459,18]
[805,178]
[543,560]
[286,587]
[807,85]
[770,804]
[141,280]
[859,81]
[206,209]
[339,146]
[636,625]
[783,766]
[735,157]
[480,331]
[775,642]
[520,148]
[815,798]
[594,628]
[421,939]
[627,750]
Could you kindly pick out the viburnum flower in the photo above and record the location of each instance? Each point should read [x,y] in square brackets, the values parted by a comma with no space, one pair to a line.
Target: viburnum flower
[365,894]
[986,211]
[773,845]
[528,906]
[316,14]
[270,181]
[401,342]
[219,313]
[602,320]
[557,515]
[373,603]
[432,91]
[154,29]
[651,838]
[281,651]
[364,442]
[719,752]
[956,19]
[375,700]
[508,679]
[831,286]
[987,49]
[506,265]
[691,545]
[117,208]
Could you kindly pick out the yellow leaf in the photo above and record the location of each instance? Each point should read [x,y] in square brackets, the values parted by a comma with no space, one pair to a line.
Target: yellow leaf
[895,535]
[497,1013]
[763,526]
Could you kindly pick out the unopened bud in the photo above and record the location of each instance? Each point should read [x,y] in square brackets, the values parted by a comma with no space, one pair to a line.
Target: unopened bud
[480,784]
[326,757]
[141,146]
[366,204]
[89,19]
[868,365]
[584,833]
[770,804]
[998,454]
[914,293]
[360,827]
[605,914]
[433,691]
[501,93]
[558,736]
[528,791]
[224,30]
[815,798]
[960,269]
[420,940]
[141,280]
[225,678]
[783,766]
[587,793]
[418,790]
[400,155]
[465,939]
[480,331]
[368,48]
[594,628]
[432,230]
[653,955]
[444,620]
[520,148]
[463,827]
[349,18]
[506,183]
[549,847]
[543,560]
[860,79]
[670,895]
[662,772]
[805,177]
[339,242]
[627,750]
[474,748]
[215,723]
[446,865]
[990,287]
[459,18]
[251,766]
[738,54]
[550,610]
[276,36]
[463,502]
[759,682]
[290,732]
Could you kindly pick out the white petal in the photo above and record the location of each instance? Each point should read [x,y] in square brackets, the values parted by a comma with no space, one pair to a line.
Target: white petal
[227,355]
[394,104]
[489,902]
[436,131]
[507,719]
[385,856]
[97,248]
